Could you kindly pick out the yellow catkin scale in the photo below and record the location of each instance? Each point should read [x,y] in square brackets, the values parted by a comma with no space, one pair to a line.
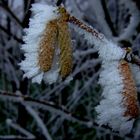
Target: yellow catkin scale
[64,43]
[47,46]
[130,100]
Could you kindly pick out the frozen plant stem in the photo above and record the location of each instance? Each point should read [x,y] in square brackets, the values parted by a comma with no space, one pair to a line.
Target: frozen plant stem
[54,108]
[39,121]
[20,129]
[85,27]
[134,59]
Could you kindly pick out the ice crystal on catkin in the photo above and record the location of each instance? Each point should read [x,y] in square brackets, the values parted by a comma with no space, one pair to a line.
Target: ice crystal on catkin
[45,45]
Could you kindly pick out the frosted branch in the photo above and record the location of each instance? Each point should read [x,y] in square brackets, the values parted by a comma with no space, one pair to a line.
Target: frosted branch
[11,13]
[13,137]
[49,106]
[100,38]
[134,20]
[11,34]
[19,129]
[100,16]
[45,105]
[39,122]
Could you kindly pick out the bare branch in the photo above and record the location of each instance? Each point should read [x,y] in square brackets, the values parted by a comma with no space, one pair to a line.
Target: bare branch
[59,2]
[47,105]
[11,13]
[13,137]
[39,121]
[129,31]
[20,129]
[10,34]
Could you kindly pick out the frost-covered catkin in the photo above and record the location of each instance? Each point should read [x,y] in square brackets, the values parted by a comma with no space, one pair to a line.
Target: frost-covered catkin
[64,43]
[48,53]
[38,38]
[118,107]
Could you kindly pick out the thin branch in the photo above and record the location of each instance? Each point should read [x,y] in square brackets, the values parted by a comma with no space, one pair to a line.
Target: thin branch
[100,36]
[27,15]
[135,60]
[20,129]
[39,121]
[108,18]
[11,13]
[85,27]
[130,30]
[59,2]
[13,137]
[50,106]
[100,17]
[62,111]
[10,34]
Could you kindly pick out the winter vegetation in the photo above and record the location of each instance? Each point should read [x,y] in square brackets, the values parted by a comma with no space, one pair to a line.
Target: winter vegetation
[70,69]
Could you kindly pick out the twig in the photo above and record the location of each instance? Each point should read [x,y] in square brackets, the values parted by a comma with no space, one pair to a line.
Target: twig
[13,137]
[99,36]
[135,60]
[39,121]
[107,17]
[85,27]
[49,106]
[100,17]
[20,129]
[6,8]
[59,2]
[62,111]
[130,30]
[10,34]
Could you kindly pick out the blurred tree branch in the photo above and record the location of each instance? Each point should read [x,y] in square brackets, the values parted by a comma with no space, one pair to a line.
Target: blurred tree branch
[10,12]
[58,3]
[52,107]
[108,18]
[10,34]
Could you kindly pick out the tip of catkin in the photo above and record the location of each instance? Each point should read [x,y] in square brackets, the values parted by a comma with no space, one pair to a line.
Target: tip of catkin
[130,100]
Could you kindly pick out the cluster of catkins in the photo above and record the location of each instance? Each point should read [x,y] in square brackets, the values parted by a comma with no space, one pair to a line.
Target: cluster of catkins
[48,57]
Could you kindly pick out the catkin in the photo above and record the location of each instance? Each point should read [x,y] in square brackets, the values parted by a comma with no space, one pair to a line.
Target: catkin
[64,43]
[129,91]
[47,46]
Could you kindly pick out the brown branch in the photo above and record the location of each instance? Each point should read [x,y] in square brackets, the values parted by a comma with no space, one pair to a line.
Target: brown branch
[85,27]
[94,32]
